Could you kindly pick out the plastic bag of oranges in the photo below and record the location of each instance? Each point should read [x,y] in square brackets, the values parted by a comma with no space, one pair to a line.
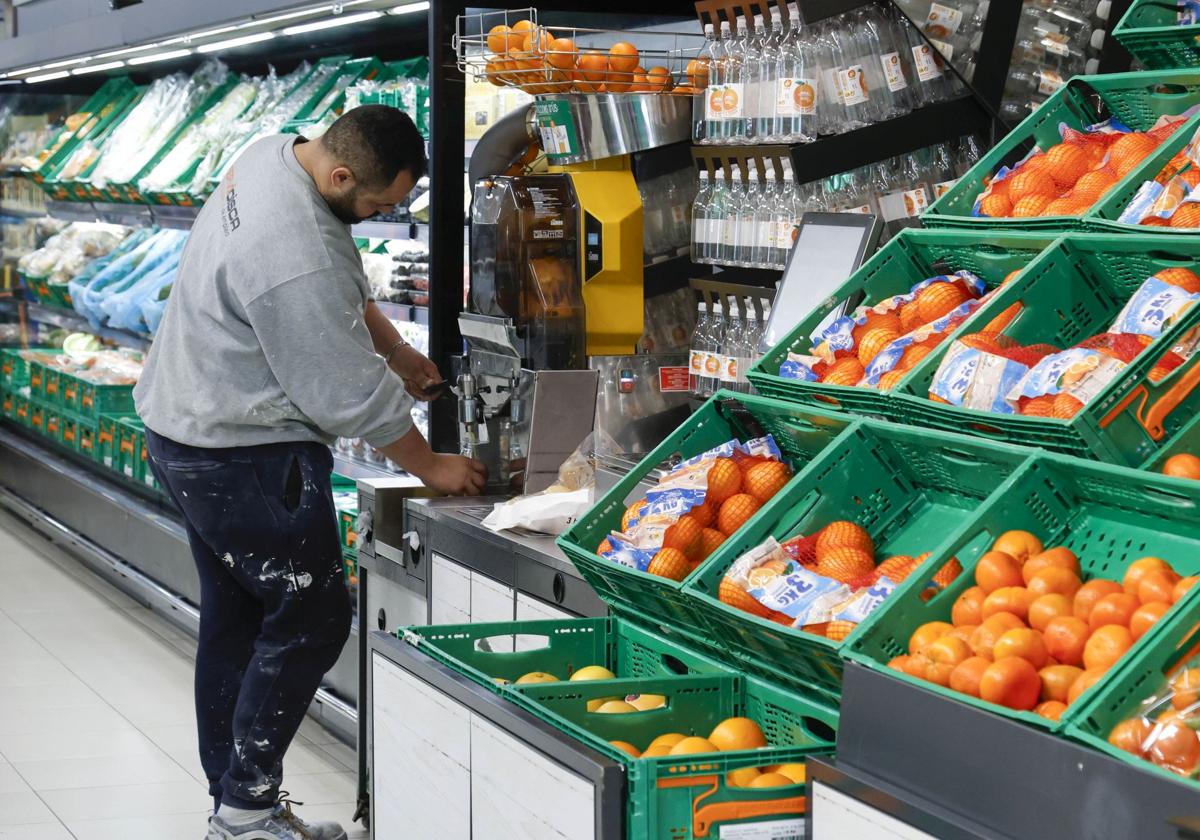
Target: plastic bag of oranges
[783,588]
[1165,729]
[896,333]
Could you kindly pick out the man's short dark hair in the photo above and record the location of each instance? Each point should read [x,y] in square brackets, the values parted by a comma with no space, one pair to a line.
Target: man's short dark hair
[377,142]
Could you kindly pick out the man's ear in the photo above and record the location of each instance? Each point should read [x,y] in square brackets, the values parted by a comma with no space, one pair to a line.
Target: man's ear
[341,177]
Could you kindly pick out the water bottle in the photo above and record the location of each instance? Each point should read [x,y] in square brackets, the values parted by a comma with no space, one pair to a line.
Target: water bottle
[732,351]
[746,209]
[698,350]
[714,363]
[849,77]
[717,207]
[735,198]
[734,92]
[701,246]
[929,80]
[764,227]
[718,75]
[772,45]
[969,153]
[884,72]
[797,86]
[943,174]
[752,76]
[711,95]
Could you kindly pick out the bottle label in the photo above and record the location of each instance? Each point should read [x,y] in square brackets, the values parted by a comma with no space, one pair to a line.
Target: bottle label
[696,363]
[915,201]
[714,102]
[853,85]
[714,363]
[1056,43]
[891,206]
[764,235]
[923,60]
[732,101]
[785,234]
[893,72]
[947,50]
[714,229]
[746,236]
[862,210]
[1049,82]
[678,214]
[796,97]
[942,21]
[729,369]
[943,187]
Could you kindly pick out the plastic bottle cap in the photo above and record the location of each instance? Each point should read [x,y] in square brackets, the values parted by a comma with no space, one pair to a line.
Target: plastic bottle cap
[724,26]
[758,21]
[1098,39]
[1093,66]
[708,29]
[1104,9]
[703,174]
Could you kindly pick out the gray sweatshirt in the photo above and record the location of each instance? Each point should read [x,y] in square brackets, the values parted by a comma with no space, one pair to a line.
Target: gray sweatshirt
[263,339]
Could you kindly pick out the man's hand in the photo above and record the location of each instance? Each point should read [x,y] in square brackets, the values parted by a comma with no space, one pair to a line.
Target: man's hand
[417,371]
[455,475]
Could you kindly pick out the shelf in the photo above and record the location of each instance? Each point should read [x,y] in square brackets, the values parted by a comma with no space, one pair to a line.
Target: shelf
[77,323]
[838,153]
[404,312]
[18,212]
[392,230]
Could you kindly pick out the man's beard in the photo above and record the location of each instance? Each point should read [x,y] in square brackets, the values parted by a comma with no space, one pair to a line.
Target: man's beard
[343,207]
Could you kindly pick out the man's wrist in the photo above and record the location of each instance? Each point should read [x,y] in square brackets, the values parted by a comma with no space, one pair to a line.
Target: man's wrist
[399,344]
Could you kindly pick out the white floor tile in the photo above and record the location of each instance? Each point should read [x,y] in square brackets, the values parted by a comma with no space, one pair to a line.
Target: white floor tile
[108,803]
[106,771]
[62,743]
[34,670]
[67,695]
[41,831]
[36,721]
[320,788]
[23,808]
[11,781]
[182,826]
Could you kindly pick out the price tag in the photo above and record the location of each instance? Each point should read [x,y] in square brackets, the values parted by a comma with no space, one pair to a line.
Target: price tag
[773,830]
[674,380]
[557,127]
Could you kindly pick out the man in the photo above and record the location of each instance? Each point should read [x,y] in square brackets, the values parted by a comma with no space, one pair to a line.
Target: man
[269,349]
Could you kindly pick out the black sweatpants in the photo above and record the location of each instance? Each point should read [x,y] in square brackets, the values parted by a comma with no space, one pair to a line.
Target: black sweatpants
[274,609]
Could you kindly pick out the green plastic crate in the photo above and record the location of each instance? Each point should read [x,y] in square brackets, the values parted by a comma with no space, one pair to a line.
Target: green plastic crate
[14,368]
[90,117]
[87,433]
[69,432]
[68,396]
[1072,291]
[96,400]
[1104,217]
[54,424]
[1149,31]
[801,434]
[129,448]
[909,258]
[8,405]
[108,441]
[688,796]
[911,489]
[1141,675]
[37,417]
[23,410]
[507,650]
[56,183]
[1109,516]
[144,473]
[1134,98]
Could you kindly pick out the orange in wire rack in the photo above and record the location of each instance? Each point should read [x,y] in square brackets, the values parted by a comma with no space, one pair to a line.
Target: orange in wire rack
[697,72]
[561,53]
[593,69]
[659,79]
[498,39]
[623,57]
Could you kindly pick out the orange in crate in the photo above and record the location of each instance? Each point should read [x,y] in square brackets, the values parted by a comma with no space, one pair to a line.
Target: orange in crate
[1186,216]
[845,563]
[898,568]
[703,513]
[938,299]
[1031,205]
[890,320]
[844,533]
[839,630]
[1042,406]
[1066,164]
[724,480]
[1029,181]
[670,563]
[1093,185]
[1128,151]
[1065,407]
[684,535]
[995,205]
[873,341]
[710,541]
[603,547]
[847,371]
[892,378]
[632,512]
[913,355]
[910,317]
[733,595]
[1184,278]
[763,481]
[948,573]
[735,511]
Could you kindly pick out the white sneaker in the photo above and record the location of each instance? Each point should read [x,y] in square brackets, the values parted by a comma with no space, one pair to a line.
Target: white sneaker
[282,824]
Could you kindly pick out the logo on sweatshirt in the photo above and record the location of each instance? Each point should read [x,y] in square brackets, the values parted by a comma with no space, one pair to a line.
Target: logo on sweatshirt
[230,219]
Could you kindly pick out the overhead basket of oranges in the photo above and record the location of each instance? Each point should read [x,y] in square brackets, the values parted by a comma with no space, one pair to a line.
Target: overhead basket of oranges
[511,48]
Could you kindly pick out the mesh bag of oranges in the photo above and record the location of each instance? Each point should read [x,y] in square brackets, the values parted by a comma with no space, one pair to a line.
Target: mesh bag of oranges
[1032,634]
[826,583]
[1068,178]
[1165,730]
[696,506]
[875,346]
[1172,198]
[988,371]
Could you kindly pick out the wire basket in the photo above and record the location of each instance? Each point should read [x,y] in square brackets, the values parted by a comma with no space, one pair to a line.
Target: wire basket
[510,48]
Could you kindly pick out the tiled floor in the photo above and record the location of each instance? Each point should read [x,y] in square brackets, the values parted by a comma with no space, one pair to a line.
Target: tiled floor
[97,738]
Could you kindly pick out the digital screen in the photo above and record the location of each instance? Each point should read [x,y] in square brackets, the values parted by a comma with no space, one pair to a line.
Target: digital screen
[823,257]
[593,239]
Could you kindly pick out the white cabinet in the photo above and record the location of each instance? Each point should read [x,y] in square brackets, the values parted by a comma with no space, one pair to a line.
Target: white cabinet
[490,600]
[442,771]
[449,592]
[530,609]
[836,816]
[422,758]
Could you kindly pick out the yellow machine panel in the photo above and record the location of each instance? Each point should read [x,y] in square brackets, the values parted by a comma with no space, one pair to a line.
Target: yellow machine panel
[611,253]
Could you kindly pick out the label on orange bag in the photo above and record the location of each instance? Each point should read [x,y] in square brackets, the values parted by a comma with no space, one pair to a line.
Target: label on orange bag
[773,830]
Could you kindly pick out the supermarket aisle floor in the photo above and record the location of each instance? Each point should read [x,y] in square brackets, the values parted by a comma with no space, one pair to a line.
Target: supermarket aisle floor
[97,738]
